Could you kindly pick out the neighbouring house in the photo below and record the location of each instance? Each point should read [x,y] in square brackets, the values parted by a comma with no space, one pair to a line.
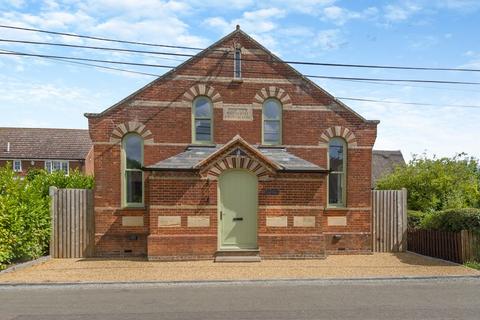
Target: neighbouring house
[384,162]
[232,152]
[46,148]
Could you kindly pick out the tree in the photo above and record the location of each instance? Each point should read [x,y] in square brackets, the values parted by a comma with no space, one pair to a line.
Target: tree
[437,183]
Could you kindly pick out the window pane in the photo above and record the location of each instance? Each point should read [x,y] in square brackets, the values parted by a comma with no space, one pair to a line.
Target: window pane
[56,165]
[271,131]
[271,110]
[237,64]
[65,167]
[134,186]
[133,151]
[202,108]
[17,165]
[48,166]
[336,152]
[202,130]
[335,188]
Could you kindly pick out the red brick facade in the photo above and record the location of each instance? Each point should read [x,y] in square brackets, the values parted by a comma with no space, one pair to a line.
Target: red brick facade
[294,222]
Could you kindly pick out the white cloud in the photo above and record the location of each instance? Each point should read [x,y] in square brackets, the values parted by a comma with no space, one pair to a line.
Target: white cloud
[340,15]
[60,105]
[474,60]
[264,14]
[400,12]
[424,42]
[132,8]
[460,5]
[330,39]
[255,22]
[14,3]
[310,7]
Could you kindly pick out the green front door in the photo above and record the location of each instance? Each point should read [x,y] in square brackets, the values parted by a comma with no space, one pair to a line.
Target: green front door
[237,205]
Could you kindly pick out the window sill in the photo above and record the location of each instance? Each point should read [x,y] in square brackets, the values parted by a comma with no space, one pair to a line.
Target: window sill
[133,208]
[271,146]
[336,208]
[237,80]
[199,144]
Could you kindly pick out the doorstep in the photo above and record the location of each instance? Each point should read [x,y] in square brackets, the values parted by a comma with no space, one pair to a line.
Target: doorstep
[252,255]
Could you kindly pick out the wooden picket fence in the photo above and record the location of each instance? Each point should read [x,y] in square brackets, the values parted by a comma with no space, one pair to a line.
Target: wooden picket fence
[389,210]
[73,231]
[459,247]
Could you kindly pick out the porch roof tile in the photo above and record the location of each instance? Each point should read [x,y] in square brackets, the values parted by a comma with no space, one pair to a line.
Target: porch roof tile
[188,159]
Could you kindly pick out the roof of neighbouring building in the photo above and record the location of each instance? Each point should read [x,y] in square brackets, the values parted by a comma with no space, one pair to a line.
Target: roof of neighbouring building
[188,159]
[384,162]
[44,143]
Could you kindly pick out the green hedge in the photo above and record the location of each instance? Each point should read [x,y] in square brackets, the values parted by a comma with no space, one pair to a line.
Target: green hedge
[453,220]
[415,219]
[24,211]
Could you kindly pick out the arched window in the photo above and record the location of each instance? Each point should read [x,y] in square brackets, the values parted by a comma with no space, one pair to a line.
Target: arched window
[132,153]
[337,163]
[202,120]
[272,122]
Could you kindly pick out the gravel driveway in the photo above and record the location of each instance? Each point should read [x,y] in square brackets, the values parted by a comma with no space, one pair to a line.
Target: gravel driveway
[335,266]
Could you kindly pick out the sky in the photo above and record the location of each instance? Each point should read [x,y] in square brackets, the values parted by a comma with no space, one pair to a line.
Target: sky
[36,92]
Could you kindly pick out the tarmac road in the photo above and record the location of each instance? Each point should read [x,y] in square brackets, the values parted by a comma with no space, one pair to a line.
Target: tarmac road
[355,299]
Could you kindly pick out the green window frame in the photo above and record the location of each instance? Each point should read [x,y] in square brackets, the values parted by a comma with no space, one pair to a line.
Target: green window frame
[272,122]
[337,177]
[132,173]
[202,120]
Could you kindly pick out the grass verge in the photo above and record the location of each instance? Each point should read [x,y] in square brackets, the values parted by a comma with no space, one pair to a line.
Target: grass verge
[473,265]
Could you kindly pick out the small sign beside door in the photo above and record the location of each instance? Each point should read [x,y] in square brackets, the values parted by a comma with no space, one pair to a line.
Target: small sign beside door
[271,192]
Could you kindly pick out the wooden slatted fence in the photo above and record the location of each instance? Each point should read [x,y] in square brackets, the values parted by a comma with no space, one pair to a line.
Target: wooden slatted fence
[389,209]
[459,247]
[73,229]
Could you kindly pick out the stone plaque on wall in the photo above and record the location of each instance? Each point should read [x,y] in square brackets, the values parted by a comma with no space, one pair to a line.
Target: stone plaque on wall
[237,114]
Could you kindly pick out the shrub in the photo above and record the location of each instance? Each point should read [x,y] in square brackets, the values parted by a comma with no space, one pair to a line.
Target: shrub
[415,218]
[25,214]
[453,220]
[438,183]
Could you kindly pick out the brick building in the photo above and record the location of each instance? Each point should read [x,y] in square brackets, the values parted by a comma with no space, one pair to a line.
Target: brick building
[233,151]
[46,148]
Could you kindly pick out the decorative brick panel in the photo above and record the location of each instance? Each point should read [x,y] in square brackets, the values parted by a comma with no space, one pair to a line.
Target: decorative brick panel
[169,221]
[132,221]
[276,221]
[337,221]
[198,221]
[304,221]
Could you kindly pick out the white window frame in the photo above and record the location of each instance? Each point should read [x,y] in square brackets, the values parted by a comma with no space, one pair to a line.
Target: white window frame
[61,163]
[20,165]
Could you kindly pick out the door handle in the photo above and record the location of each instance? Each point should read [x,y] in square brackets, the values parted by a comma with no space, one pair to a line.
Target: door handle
[221,215]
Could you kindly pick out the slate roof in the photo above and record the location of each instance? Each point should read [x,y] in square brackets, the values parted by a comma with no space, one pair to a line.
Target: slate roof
[193,155]
[384,162]
[43,143]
